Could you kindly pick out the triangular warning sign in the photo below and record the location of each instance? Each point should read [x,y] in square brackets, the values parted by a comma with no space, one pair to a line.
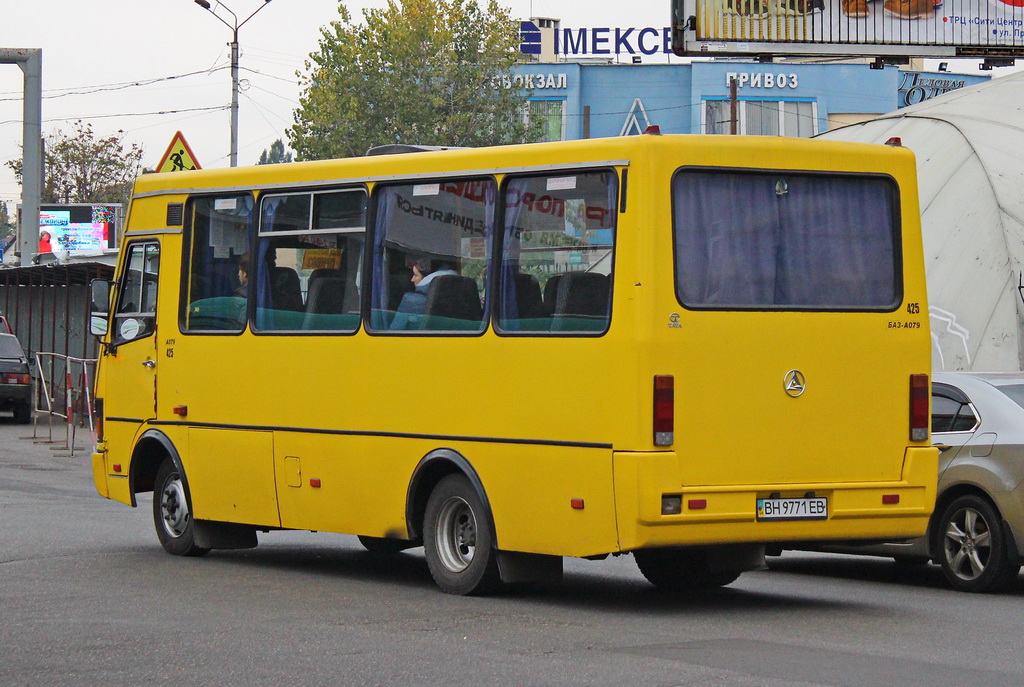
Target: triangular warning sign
[179,157]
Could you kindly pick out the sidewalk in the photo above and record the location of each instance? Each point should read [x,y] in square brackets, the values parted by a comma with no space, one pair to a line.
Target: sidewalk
[25,460]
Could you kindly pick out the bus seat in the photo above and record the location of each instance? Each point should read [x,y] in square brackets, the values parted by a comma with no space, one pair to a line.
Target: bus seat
[285,292]
[323,273]
[528,297]
[452,297]
[326,296]
[551,294]
[315,276]
[582,302]
[325,306]
[351,301]
[398,286]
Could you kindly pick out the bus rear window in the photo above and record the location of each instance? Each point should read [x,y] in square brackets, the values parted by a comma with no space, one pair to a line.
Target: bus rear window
[785,241]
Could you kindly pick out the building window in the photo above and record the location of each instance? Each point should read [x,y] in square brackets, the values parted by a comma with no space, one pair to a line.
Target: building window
[551,114]
[763,117]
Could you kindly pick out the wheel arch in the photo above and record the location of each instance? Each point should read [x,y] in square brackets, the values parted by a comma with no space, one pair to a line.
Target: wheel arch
[152,448]
[949,496]
[431,469]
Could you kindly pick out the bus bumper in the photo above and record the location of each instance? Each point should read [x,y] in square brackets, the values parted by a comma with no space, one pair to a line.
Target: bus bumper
[109,484]
[729,514]
[99,473]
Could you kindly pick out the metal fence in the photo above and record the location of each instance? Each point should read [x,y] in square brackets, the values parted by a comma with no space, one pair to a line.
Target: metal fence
[64,392]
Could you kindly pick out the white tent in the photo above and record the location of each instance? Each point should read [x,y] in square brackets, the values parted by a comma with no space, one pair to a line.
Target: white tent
[970,159]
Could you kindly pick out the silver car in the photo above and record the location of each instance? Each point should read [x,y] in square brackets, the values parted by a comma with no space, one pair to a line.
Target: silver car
[976,533]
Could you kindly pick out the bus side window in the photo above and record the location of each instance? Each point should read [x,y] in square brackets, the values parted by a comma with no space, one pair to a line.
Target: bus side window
[217,236]
[135,313]
[309,255]
[557,253]
[431,254]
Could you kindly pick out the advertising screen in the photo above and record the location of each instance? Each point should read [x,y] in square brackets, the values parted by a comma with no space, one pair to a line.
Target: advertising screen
[77,228]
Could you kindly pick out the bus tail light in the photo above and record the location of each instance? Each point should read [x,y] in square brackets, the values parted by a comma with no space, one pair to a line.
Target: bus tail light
[919,407]
[664,410]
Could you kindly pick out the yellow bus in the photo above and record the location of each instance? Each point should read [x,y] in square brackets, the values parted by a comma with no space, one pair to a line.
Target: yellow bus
[681,347]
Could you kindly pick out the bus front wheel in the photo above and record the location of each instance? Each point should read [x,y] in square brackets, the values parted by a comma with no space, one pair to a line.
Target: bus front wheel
[457,539]
[172,513]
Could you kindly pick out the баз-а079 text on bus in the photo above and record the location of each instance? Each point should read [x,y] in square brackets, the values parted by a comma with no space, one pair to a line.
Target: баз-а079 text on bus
[510,355]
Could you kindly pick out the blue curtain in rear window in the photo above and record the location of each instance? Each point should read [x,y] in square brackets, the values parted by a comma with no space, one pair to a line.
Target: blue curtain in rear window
[785,241]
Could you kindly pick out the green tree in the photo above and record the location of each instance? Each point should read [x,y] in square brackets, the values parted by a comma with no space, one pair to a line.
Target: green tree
[7,229]
[6,225]
[429,72]
[81,168]
[277,153]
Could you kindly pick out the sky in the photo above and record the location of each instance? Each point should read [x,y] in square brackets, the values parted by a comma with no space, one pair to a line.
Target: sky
[155,67]
[94,51]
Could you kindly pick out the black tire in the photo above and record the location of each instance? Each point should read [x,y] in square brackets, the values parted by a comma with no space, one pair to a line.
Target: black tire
[681,570]
[23,413]
[172,512]
[383,546]
[457,539]
[971,547]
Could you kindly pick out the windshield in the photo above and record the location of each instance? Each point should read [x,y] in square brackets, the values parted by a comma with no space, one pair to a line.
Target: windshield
[9,347]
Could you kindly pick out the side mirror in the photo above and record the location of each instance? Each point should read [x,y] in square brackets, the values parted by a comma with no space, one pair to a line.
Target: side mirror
[99,295]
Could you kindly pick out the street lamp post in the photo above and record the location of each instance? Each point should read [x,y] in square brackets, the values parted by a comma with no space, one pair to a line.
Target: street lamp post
[234,65]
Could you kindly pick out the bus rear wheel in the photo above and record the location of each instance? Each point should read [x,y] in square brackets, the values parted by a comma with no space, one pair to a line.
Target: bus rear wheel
[457,539]
[172,513]
[681,570]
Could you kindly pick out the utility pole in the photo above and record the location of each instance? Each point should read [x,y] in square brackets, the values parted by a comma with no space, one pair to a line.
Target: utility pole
[234,66]
[734,109]
[31,62]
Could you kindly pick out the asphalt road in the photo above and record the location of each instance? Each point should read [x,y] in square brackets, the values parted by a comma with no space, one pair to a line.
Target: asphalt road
[87,597]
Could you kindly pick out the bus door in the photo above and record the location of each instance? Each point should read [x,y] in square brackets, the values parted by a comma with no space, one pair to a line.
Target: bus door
[130,361]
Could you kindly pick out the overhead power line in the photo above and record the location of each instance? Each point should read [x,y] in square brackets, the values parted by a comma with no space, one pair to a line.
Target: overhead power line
[52,93]
[138,114]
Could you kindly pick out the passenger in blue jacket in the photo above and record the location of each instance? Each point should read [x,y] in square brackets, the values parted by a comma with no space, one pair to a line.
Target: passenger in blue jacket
[414,303]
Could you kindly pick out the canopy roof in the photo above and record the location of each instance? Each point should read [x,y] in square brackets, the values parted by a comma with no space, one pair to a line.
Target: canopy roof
[969,145]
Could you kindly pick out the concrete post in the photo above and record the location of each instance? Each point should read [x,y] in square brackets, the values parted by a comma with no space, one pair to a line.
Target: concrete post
[31,62]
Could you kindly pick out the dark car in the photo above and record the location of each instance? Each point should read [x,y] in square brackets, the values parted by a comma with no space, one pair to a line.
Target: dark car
[15,380]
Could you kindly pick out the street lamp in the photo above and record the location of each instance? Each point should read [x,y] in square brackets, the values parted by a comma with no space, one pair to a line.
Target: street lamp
[234,66]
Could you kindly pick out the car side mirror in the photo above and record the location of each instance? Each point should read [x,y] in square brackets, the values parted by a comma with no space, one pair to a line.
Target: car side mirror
[99,296]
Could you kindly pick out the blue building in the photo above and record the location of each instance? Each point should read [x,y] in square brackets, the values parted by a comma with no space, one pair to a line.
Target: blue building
[584,99]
